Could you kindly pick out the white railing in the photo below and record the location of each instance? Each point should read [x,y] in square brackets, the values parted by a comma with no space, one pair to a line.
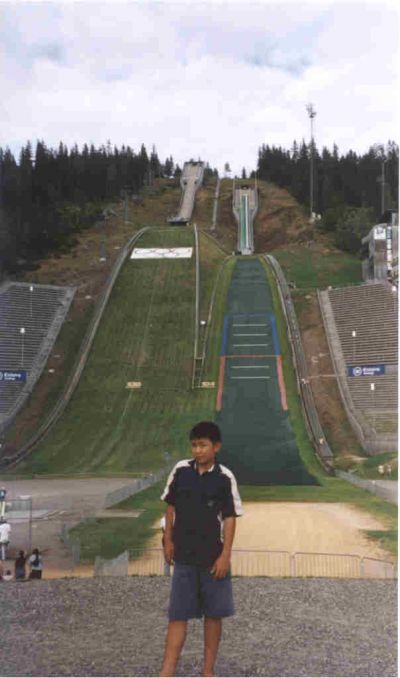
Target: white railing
[260,563]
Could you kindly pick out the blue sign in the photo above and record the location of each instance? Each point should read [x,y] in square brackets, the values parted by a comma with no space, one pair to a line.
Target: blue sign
[366,370]
[12,375]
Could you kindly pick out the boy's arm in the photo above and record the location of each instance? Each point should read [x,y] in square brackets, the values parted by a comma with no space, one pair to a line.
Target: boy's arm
[221,565]
[168,543]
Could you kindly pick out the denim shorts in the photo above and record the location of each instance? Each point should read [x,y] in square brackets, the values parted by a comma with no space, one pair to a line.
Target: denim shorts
[196,593]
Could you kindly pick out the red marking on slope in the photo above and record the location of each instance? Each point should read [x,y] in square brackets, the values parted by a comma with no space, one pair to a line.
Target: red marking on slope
[281,382]
[220,383]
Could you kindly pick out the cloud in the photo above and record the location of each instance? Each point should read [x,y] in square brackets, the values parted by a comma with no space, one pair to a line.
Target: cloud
[199,79]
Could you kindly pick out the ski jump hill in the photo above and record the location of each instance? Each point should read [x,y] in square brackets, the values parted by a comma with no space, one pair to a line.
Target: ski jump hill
[251,401]
[191,180]
[251,374]
[245,205]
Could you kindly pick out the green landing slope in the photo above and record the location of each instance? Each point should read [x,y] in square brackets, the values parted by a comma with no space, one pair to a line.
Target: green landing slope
[259,444]
[146,335]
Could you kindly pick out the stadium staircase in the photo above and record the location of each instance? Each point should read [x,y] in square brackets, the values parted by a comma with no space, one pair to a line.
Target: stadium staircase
[361,326]
[40,311]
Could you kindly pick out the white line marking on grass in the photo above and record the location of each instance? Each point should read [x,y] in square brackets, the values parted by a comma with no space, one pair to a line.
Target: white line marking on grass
[250,377]
[247,345]
[260,334]
[247,367]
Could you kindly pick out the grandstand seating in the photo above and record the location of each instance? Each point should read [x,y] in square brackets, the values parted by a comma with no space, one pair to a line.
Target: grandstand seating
[369,310]
[41,313]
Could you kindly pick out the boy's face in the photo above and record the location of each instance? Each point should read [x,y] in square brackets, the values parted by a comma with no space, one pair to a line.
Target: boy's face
[204,451]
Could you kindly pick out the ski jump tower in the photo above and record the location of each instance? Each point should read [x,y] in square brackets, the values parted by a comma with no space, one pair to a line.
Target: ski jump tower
[191,179]
[245,205]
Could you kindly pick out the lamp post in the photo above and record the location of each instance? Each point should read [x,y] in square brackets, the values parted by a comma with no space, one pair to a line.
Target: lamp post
[384,160]
[103,256]
[311,114]
[372,387]
[126,195]
[354,335]
[28,498]
[22,333]
[30,297]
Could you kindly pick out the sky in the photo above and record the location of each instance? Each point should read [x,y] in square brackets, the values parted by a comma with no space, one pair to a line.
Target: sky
[209,80]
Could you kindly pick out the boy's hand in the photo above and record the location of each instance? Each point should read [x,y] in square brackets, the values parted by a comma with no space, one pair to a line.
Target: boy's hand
[221,566]
[168,550]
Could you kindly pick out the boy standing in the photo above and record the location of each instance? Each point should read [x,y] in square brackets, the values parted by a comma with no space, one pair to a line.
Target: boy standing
[202,497]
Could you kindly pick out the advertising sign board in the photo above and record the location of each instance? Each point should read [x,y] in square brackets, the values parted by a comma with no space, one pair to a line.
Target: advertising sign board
[365,370]
[13,375]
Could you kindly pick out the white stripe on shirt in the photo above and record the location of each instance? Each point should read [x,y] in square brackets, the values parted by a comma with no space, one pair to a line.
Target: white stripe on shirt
[237,502]
[185,462]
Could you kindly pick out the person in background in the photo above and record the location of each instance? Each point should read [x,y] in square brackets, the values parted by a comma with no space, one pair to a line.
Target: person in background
[20,566]
[5,529]
[7,576]
[36,565]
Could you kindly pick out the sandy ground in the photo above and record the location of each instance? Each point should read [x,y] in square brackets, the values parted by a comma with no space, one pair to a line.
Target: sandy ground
[308,527]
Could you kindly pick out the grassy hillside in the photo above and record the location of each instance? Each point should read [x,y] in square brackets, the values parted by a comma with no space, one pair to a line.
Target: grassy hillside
[280,219]
[82,269]
[146,335]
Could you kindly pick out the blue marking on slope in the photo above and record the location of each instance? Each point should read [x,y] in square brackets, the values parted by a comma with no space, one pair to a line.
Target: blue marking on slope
[224,345]
[275,334]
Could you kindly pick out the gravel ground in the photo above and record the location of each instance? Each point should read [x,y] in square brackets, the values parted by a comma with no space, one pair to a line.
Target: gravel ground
[116,627]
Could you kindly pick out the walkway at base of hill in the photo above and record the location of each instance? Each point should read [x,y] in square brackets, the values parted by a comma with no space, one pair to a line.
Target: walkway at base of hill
[55,502]
[258,441]
[103,627]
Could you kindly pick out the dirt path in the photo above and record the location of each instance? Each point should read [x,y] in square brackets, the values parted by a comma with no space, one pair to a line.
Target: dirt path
[304,527]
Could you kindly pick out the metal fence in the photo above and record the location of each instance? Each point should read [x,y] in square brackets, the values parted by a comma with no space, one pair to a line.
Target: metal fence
[246,563]
[72,543]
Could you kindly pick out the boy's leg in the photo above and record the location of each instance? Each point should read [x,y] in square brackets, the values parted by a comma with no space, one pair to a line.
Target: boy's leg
[174,642]
[212,636]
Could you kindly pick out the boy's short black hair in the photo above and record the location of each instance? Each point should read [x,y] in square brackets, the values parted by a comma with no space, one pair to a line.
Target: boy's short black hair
[206,429]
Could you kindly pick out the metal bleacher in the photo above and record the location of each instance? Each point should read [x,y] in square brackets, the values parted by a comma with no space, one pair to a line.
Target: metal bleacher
[40,311]
[362,327]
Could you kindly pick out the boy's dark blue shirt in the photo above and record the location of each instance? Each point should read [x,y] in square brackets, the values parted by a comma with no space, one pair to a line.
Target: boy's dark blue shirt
[201,503]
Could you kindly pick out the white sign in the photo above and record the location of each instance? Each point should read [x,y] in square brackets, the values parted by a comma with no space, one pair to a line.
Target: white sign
[379,233]
[162,253]
[133,384]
